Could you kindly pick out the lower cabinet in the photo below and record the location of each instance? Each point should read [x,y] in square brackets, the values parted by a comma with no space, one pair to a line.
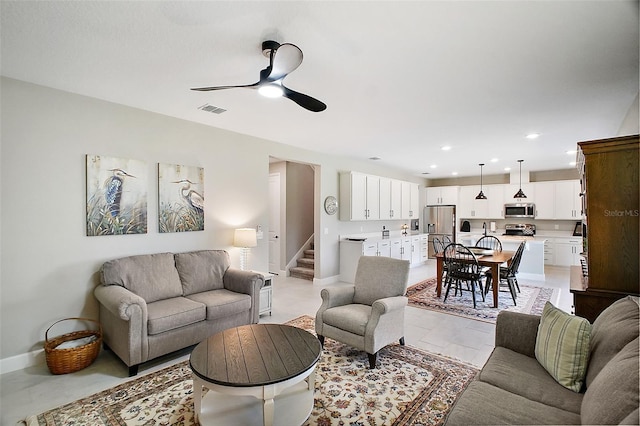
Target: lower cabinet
[567,251]
[412,248]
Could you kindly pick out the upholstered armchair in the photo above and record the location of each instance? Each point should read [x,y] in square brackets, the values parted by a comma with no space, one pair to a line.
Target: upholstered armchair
[369,314]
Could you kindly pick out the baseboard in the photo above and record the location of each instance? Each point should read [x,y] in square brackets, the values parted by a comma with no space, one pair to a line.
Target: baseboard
[328,280]
[22,361]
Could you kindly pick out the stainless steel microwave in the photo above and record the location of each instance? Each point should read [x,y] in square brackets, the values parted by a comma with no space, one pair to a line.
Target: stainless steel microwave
[526,210]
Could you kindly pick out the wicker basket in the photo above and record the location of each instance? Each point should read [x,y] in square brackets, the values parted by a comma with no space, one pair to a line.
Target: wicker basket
[68,360]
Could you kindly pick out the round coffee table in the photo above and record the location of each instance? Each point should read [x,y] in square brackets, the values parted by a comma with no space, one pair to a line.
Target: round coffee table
[259,373]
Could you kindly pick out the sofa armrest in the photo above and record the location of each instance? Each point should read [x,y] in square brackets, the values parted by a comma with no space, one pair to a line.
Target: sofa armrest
[123,317]
[120,301]
[517,331]
[246,282]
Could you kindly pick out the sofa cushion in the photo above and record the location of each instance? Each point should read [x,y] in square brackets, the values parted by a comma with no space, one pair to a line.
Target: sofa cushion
[222,303]
[484,404]
[510,370]
[202,270]
[612,330]
[562,346]
[150,276]
[351,318]
[168,314]
[614,393]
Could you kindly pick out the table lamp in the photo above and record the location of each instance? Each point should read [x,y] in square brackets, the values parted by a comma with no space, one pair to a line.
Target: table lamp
[245,238]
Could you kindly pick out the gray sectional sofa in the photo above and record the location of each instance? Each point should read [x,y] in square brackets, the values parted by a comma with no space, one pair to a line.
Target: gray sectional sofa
[151,305]
[513,388]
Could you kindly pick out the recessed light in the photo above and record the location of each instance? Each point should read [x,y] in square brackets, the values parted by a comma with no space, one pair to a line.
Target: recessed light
[446,148]
[494,160]
[571,152]
[533,135]
[506,169]
[433,166]
[455,173]
[573,163]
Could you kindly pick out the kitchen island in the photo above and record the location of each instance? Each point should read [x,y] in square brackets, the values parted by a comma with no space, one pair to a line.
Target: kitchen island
[532,263]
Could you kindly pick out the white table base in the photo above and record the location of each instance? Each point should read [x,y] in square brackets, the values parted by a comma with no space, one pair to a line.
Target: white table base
[281,404]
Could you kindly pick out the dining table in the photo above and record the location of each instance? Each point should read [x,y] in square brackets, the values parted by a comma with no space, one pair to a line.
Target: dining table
[492,261]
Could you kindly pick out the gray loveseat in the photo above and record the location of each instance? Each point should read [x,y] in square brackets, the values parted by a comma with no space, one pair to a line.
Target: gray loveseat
[513,388]
[151,305]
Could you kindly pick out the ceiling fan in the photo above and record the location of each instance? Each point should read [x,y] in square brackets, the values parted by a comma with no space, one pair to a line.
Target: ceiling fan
[283,59]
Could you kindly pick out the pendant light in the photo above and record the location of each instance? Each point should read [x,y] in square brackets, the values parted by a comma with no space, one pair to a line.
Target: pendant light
[520,194]
[481,195]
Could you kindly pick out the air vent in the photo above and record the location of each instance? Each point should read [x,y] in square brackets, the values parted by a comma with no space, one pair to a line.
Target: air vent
[212,109]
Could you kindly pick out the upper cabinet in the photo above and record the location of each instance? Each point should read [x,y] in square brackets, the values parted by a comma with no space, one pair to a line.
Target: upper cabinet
[359,196]
[491,208]
[558,200]
[410,200]
[510,189]
[442,195]
[369,197]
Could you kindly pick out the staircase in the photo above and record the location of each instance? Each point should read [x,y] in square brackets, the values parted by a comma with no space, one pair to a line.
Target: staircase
[305,266]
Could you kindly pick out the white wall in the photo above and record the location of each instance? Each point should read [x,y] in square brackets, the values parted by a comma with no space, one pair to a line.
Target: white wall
[48,266]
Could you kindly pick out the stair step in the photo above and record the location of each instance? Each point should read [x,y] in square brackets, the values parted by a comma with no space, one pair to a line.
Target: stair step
[309,254]
[304,273]
[306,262]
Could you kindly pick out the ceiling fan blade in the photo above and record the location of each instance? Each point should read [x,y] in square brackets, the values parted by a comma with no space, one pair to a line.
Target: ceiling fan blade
[305,101]
[287,58]
[207,89]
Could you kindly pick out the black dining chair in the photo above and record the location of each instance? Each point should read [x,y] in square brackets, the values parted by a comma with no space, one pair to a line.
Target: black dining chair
[508,274]
[462,268]
[489,242]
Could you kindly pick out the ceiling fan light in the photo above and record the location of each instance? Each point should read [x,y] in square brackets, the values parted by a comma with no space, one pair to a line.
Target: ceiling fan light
[271,90]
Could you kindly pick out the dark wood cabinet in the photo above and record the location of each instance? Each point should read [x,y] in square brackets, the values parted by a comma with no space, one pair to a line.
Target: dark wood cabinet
[611,215]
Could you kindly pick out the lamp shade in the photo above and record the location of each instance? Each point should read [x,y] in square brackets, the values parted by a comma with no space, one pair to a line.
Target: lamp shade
[245,237]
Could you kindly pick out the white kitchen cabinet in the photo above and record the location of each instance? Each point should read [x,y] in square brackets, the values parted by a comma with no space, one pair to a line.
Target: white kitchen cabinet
[385,198]
[545,200]
[442,195]
[396,199]
[410,200]
[359,196]
[567,251]
[470,208]
[549,250]
[411,247]
[568,204]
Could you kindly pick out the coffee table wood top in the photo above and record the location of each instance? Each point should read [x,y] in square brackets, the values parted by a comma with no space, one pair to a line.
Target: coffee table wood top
[255,355]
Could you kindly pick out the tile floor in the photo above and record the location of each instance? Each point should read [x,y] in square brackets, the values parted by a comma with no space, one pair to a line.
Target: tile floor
[34,390]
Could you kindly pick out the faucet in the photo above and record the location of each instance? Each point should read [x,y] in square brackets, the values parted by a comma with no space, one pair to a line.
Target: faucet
[484,226]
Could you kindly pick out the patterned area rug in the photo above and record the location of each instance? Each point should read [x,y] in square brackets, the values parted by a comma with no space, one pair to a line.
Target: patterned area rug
[530,300]
[409,387]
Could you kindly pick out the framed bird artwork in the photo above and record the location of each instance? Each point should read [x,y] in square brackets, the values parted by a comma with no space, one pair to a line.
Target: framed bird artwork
[116,196]
[180,198]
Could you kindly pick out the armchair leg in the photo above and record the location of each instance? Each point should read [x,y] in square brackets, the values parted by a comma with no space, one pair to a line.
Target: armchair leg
[372,361]
[321,338]
[402,341]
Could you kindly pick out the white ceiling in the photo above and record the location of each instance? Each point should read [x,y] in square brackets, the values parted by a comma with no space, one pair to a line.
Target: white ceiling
[400,79]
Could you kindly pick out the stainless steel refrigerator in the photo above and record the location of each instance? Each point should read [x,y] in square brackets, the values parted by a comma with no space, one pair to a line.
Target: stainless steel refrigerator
[439,221]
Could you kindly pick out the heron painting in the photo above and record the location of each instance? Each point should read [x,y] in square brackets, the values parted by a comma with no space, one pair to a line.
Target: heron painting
[180,198]
[116,196]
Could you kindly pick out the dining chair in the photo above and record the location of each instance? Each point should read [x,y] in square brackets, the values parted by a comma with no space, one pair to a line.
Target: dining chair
[462,267]
[490,242]
[508,274]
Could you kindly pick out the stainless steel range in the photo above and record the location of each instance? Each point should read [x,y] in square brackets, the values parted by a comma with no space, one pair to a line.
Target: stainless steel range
[520,229]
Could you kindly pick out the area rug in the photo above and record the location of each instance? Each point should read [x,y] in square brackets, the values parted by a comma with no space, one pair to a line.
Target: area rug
[530,300]
[409,387]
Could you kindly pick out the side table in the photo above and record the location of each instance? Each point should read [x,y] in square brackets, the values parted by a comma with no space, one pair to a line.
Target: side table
[266,292]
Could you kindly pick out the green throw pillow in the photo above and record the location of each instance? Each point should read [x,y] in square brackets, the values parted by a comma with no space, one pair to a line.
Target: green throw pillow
[562,346]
